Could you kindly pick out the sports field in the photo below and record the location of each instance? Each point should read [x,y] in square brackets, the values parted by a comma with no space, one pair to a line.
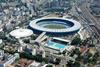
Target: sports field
[54,26]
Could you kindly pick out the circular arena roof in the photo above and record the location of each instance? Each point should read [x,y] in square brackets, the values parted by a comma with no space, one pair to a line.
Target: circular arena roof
[18,33]
[53,23]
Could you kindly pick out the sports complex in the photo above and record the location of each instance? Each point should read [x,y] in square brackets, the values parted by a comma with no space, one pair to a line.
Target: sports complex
[55,26]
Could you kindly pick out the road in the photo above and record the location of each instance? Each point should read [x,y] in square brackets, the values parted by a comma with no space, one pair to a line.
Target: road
[92,21]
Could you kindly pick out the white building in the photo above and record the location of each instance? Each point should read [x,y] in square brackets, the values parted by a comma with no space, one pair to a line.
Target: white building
[6,59]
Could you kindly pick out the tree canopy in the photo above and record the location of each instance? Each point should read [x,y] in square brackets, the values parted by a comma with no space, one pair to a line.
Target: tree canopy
[76,41]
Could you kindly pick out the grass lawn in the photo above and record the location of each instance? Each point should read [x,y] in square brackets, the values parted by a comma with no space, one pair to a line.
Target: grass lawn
[55,26]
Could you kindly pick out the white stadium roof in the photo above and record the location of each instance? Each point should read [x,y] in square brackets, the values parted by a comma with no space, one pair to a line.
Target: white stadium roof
[75,27]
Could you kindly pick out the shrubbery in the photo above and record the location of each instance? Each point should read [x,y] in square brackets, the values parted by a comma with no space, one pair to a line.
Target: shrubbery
[76,41]
[38,58]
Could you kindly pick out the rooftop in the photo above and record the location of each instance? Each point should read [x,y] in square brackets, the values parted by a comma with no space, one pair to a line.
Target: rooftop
[4,57]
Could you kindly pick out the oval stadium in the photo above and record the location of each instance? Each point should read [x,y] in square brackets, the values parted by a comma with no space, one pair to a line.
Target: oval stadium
[55,26]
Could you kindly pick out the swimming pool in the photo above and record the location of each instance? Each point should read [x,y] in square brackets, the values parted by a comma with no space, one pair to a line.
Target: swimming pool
[55,45]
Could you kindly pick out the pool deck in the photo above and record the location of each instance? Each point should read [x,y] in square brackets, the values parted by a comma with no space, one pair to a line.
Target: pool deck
[55,46]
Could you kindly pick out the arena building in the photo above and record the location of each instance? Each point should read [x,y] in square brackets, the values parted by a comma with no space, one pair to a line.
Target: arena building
[55,26]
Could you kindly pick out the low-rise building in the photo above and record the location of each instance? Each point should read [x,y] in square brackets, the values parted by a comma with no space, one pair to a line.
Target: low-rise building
[6,58]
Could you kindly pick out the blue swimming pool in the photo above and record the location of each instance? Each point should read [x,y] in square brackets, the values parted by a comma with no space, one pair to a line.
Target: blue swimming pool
[55,45]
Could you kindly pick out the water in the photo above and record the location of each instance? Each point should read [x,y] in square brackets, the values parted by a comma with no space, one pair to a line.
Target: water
[55,45]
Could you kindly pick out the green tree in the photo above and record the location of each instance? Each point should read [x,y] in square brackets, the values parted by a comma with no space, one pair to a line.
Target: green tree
[71,64]
[49,66]
[76,41]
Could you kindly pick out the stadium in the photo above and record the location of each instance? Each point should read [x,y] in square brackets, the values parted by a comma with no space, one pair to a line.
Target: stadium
[55,26]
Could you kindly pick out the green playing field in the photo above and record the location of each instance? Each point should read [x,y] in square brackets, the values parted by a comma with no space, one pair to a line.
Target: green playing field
[55,26]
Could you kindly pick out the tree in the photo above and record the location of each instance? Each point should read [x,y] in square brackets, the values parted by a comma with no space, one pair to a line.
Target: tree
[71,64]
[49,66]
[95,58]
[76,41]
[77,64]
[57,61]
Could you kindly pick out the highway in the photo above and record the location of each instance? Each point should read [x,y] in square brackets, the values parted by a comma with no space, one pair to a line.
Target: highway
[91,20]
